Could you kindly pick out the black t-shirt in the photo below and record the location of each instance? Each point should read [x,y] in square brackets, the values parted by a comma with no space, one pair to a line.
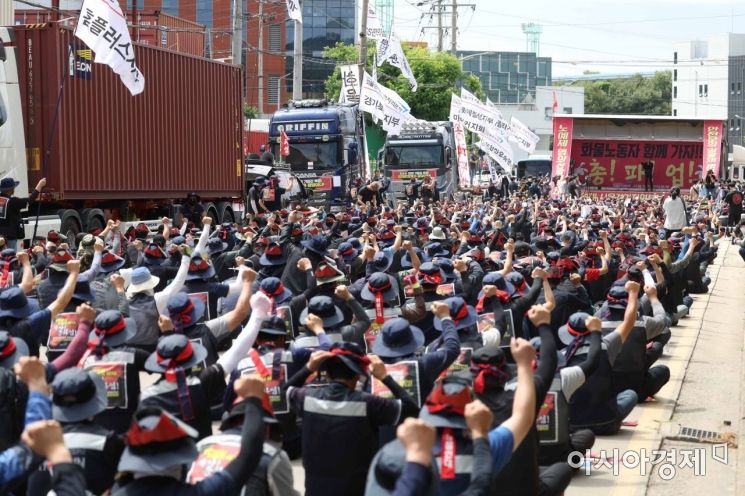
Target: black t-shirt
[648,166]
[193,212]
[734,200]
[367,194]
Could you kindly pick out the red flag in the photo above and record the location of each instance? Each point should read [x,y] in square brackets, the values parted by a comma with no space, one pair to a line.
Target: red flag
[284,144]
[556,104]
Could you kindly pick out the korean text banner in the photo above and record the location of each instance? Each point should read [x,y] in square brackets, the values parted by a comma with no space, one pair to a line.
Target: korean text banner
[562,146]
[613,164]
[103,28]
[374,27]
[294,11]
[461,151]
[713,145]
[350,84]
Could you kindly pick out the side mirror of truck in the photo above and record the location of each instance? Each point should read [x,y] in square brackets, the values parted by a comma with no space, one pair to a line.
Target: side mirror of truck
[448,157]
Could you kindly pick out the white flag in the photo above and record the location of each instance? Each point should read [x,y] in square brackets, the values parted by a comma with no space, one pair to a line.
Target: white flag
[374,27]
[455,107]
[384,104]
[350,84]
[294,11]
[103,28]
[461,151]
[390,50]
[499,149]
[523,136]
[468,96]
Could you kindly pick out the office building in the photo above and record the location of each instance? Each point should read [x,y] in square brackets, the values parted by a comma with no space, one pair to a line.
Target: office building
[325,23]
[708,79]
[508,77]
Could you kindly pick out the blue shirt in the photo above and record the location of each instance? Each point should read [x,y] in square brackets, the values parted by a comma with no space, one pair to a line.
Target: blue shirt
[501,444]
[12,465]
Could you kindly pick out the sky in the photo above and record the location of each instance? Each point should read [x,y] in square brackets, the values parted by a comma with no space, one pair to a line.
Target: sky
[598,35]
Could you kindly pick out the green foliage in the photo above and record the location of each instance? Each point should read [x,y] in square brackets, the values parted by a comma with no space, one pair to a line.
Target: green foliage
[637,95]
[437,74]
[250,112]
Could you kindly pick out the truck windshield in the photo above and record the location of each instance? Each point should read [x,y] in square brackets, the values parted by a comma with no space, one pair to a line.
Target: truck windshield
[533,168]
[413,157]
[322,156]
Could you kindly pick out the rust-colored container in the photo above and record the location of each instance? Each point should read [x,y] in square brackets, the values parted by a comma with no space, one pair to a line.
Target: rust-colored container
[183,133]
[156,28]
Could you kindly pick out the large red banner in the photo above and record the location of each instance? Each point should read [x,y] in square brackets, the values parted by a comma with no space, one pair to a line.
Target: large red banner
[617,164]
[563,127]
[713,141]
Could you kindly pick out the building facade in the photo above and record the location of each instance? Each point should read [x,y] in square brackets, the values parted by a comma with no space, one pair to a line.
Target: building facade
[709,82]
[508,77]
[325,23]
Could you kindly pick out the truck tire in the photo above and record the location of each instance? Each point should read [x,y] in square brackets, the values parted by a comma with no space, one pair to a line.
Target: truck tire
[92,218]
[211,211]
[70,226]
[225,212]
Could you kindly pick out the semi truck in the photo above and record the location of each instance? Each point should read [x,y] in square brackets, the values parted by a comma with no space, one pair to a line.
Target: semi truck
[421,149]
[105,153]
[326,146]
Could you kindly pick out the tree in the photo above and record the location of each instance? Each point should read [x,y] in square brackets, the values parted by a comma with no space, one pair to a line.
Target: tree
[250,112]
[437,74]
[637,95]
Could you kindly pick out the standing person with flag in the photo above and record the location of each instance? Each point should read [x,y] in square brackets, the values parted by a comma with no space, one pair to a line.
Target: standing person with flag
[11,222]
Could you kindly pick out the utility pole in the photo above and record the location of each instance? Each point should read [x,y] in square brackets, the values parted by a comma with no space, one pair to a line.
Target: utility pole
[237,31]
[297,61]
[260,62]
[454,29]
[363,38]
[440,32]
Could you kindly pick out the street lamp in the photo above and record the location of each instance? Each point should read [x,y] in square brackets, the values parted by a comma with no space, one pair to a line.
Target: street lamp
[279,89]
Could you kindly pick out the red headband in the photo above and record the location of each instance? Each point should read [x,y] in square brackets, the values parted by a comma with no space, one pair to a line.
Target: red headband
[280,289]
[575,332]
[198,267]
[185,354]
[165,431]
[363,359]
[9,349]
[115,329]
[439,402]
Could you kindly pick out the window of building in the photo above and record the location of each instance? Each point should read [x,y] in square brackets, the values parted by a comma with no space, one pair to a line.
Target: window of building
[675,112]
[567,110]
[140,4]
[675,92]
[675,57]
[737,124]
[706,90]
[204,13]
[548,112]
[170,7]
[731,124]
[732,89]
[275,38]
[675,74]
[272,93]
[739,87]
[700,90]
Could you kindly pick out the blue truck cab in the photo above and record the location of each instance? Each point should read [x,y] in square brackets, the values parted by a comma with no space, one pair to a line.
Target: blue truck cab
[421,149]
[326,142]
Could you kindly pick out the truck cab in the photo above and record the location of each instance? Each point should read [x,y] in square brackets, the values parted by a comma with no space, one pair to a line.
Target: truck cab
[535,165]
[325,147]
[420,149]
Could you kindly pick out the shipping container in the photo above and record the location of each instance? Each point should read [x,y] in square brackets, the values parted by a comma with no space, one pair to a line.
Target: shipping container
[154,28]
[182,134]
[159,29]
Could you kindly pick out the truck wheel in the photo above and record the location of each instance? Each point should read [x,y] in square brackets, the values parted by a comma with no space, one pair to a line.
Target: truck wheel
[225,212]
[92,218]
[211,211]
[70,226]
